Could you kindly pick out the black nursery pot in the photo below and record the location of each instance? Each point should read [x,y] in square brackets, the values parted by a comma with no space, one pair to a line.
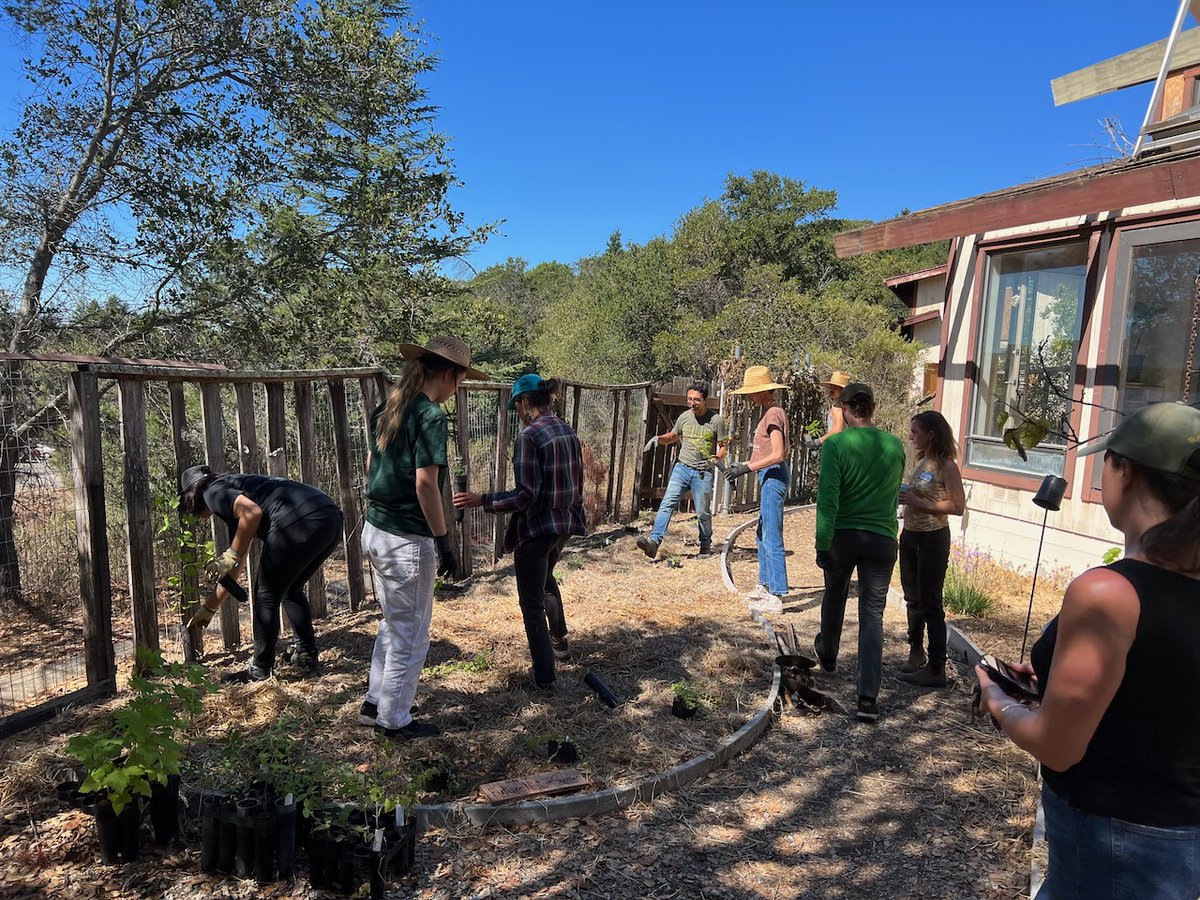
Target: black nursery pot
[460,486]
[562,751]
[164,809]
[682,709]
[120,835]
[68,792]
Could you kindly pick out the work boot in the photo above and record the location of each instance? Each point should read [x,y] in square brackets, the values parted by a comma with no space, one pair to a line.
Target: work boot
[648,545]
[930,676]
[916,660]
[705,551]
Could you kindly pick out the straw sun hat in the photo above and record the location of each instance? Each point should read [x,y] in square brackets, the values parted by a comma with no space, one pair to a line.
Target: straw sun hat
[838,379]
[448,348]
[757,380]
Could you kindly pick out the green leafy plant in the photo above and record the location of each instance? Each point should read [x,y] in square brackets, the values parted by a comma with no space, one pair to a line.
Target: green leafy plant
[477,663]
[688,695]
[964,592]
[674,562]
[140,747]
[1111,555]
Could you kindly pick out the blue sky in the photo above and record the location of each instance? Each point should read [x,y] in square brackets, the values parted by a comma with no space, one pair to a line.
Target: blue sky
[571,120]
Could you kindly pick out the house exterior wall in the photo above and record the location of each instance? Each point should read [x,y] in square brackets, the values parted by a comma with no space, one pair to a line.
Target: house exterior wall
[1001,517]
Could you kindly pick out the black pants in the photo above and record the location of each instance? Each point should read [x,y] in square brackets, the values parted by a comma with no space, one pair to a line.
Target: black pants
[290,556]
[541,602]
[924,557]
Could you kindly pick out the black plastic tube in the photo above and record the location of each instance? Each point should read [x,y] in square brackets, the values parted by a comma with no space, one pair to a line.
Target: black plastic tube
[607,697]
[285,836]
[244,863]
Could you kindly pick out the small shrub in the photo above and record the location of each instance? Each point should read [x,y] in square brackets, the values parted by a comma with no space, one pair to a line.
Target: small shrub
[965,592]
[478,663]
[1111,555]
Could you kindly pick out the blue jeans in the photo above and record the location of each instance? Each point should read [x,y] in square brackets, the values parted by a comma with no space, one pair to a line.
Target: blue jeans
[772,567]
[684,478]
[1095,857]
[874,555]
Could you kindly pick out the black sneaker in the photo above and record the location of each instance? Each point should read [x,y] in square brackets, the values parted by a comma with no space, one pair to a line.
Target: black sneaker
[411,731]
[561,649]
[368,713]
[829,665]
[250,675]
[648,546]
[868,709]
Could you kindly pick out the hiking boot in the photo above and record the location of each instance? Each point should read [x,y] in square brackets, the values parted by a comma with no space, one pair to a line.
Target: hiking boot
[561,648]
[301,659]
[705,551]
[414,729]
[868,709]
[929,676]
[248,676]
[828,664]
[916,660]
[648,546]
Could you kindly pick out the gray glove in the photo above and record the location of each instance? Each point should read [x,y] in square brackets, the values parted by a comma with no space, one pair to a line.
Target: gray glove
[201,616]
[811,442]
[650,444]
[225,563]
[736,470]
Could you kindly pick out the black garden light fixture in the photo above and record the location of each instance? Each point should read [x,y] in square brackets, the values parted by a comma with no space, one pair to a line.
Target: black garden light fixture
[1049,497]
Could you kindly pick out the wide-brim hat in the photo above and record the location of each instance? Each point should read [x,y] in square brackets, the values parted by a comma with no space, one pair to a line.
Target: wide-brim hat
[758,379]
[838,379]
[1162,436]
[446,347]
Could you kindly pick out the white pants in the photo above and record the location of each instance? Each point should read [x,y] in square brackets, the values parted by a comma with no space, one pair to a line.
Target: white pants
[404,568]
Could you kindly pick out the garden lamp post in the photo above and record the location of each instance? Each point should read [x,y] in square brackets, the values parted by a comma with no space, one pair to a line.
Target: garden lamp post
[1049,497]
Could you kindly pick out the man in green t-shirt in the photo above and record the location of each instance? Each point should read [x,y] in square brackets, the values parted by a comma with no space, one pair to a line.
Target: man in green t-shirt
[701,436]
[861,468]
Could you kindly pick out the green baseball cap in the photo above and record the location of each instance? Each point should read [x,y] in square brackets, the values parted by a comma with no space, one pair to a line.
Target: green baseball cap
[1162,436]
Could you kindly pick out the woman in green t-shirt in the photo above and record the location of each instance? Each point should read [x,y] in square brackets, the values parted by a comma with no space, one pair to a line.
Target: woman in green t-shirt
[406,537]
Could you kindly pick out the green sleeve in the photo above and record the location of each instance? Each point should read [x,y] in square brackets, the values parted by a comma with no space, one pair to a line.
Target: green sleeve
[829,493]
[430,447]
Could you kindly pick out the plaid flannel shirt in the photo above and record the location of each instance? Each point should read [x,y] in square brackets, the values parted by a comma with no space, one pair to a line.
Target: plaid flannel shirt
[548,498]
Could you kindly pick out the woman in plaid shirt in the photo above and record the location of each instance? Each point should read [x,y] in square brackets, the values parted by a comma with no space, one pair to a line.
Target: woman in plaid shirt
[547,508]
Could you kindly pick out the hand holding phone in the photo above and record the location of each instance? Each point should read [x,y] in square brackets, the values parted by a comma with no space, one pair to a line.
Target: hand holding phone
[1018,685]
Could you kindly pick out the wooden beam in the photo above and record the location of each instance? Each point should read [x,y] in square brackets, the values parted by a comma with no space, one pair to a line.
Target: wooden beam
[1086,192]
[351,523]
[95,585]
[307,448]
[249,462]
[189,561]
[500,482]
[462,427]
[214,457]
[139,530]
[1127,69]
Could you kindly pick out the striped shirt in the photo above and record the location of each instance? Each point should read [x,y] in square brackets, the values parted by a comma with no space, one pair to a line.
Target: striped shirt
[548,498]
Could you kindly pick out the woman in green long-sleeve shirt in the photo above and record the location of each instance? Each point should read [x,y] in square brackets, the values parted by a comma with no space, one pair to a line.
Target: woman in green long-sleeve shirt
[861,468]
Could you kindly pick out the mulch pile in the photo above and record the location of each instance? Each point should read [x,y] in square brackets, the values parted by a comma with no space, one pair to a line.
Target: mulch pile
[924,803]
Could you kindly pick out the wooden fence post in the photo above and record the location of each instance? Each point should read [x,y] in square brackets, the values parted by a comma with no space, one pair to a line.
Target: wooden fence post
[642,436]
[307,447]
[139,532]
[249,462]
[578,392]
[500,482]
[612,453]
[214,458]
[189,579]
[95,585]
[351,525]
[462,425]
[621,461]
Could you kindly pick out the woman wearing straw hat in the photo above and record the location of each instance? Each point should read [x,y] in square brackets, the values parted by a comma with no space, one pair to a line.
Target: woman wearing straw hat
[547,508]
[406,536]
[834,421]
[1116,728]
[771,448]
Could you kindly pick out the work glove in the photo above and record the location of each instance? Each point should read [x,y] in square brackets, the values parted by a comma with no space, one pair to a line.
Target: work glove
[810,442]
[225,562]
[824,558]
[650,444]
[447,559]
[736,470]
[201,616]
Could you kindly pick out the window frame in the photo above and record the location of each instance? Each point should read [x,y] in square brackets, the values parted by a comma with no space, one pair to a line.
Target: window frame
[1091,237]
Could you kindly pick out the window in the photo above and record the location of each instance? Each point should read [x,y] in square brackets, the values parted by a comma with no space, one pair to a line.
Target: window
[1029,337]
[1155,302]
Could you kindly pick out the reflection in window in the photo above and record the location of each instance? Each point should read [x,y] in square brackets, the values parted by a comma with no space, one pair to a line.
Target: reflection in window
[1158,324]
[1028,344]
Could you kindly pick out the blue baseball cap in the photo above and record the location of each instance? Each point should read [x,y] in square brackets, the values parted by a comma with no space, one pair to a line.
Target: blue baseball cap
[524,385]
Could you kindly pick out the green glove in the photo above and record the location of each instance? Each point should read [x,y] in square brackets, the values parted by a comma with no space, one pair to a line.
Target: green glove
[201,616]
[225,563]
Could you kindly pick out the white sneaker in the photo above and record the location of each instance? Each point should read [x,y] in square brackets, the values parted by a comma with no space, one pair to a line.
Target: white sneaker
[765,603]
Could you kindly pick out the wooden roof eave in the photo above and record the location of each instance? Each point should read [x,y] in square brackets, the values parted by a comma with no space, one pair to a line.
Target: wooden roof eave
[1085,192]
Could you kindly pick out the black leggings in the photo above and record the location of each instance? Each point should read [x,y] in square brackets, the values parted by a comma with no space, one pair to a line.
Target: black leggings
[290,556]
[924,558]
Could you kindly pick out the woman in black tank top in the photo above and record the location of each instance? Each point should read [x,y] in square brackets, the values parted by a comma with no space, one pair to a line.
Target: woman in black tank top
[1117,730]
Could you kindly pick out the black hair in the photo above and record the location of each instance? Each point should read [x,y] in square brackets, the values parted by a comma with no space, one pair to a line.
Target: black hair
[699,387]
[191,500]
[1173,543]
[862,406]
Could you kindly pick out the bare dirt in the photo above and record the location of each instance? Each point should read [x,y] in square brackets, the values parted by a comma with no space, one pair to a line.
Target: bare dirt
[924,803]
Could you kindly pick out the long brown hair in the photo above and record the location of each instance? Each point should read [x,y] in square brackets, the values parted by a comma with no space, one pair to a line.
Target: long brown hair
[942,445]
[410,383]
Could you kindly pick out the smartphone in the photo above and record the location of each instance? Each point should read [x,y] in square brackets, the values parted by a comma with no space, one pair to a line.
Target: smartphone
[1016,684]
